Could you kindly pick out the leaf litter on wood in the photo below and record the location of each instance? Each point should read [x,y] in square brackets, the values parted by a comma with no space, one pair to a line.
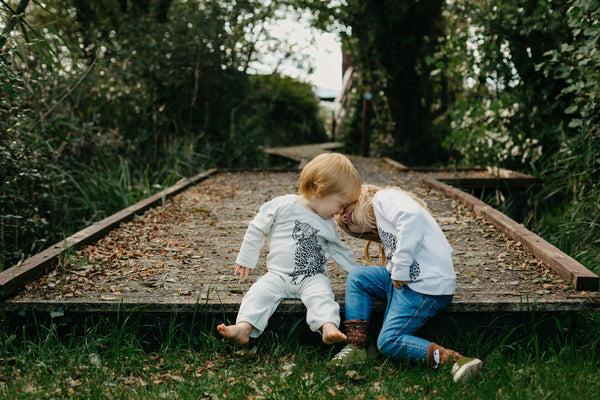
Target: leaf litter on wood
[184,250]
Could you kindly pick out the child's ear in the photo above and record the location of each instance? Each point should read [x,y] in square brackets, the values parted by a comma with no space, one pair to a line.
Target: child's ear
[319,192]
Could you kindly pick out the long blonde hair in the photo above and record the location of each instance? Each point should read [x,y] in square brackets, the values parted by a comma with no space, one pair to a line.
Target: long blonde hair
[364,215]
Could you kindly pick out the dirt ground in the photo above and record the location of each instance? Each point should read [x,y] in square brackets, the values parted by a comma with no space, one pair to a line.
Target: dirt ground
[183,252]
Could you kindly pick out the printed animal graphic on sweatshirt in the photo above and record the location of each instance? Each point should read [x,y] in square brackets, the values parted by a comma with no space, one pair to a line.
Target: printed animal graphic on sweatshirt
[388,240]
[414,271]
[309,259]
[389,248]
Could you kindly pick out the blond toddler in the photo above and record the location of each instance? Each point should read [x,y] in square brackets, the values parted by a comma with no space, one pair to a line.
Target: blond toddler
[417,280]
[301,235]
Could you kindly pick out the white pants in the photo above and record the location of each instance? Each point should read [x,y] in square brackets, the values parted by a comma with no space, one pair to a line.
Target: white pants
[261,301]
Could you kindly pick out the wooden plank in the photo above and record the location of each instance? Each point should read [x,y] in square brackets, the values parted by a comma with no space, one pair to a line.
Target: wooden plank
[17,276]
[401,166]
[566,266]
[459,176]
[491,182]
[303,153]
[182,261]
[509,174]
[482,302]
[395,164]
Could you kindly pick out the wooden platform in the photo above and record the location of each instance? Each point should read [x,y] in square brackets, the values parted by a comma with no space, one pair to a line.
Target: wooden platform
[174,253]
[474,178]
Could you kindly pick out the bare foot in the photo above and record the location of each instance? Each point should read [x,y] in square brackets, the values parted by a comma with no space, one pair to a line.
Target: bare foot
[331,334]
[239,333]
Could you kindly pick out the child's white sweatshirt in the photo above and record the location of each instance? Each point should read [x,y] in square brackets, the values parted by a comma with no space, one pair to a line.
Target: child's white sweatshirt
[414,244]
[300,241]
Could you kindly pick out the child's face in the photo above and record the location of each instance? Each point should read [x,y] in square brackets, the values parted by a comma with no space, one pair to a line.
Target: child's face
[329,206]
[347,218]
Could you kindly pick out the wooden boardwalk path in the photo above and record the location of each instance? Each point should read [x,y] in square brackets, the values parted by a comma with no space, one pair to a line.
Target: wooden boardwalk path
[174,253]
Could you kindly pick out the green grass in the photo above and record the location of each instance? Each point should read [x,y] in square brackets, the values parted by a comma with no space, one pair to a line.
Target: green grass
[130,357]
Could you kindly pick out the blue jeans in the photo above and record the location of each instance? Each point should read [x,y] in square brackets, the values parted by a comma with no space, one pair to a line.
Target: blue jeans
[405,313]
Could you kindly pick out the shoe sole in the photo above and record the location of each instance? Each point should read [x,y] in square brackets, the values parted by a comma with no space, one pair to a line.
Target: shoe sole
[468,370]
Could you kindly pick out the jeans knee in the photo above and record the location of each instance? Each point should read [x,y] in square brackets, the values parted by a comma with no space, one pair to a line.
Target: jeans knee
[393,347]
[384,346]
[354,277]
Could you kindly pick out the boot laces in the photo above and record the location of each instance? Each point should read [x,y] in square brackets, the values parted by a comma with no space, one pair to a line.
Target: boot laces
[343,353]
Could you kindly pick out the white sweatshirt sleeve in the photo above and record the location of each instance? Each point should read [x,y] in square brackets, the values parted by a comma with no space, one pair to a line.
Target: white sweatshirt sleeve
[403,216]
[256,234]
[342,255]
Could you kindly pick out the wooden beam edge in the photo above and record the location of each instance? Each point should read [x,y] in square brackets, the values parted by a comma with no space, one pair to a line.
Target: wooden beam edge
[567,267]
[592,303]
[14,278]
[395,164]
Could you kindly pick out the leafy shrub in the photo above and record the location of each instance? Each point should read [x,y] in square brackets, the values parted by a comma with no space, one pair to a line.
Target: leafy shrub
[22,163]
[106,105]
[569,204]
[526,79]
[284,112]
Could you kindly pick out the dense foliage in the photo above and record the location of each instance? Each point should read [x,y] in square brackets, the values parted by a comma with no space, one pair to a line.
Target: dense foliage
[526,97]
[106,102]
[389,42]
[511,83]
[573,170]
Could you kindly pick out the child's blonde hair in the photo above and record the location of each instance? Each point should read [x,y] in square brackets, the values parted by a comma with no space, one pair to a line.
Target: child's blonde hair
[330,173]
[364,215]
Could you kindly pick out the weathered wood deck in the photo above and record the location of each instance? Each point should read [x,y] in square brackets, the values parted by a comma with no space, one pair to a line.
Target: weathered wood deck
[174,253]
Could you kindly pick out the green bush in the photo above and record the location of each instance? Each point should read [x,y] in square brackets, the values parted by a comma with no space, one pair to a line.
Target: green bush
[569,203]
[284,112]
[23,160]
[103,106]
[527,99]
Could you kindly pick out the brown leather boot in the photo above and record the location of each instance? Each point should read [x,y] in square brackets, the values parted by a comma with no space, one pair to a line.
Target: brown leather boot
[356,330]
[437,356]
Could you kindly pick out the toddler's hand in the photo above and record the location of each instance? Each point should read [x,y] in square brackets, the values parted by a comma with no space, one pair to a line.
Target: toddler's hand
[399,284]
[243,271]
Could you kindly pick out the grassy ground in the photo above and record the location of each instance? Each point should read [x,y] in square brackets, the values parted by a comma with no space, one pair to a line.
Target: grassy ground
[128,357]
